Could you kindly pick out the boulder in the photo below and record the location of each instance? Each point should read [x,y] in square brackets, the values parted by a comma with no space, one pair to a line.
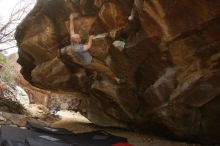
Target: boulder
[12,98]
[170,62]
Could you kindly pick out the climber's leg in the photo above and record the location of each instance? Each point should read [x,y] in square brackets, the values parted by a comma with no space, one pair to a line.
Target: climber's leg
[100,67]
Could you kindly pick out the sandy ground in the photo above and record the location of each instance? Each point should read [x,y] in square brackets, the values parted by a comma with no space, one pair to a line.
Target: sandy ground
[77,123]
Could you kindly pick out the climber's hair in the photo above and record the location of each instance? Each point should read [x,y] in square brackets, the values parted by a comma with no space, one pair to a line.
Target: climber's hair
[76,38]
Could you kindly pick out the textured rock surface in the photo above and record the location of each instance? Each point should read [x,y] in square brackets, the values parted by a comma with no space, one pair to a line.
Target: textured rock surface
[49,99]
[171,62]
[63,100]
[10,99]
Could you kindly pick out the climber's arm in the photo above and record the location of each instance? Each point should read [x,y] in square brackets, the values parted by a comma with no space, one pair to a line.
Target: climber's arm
[72,31]
[89,44]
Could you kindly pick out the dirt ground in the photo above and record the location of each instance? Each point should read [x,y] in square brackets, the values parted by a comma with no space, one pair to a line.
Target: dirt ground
[77,123]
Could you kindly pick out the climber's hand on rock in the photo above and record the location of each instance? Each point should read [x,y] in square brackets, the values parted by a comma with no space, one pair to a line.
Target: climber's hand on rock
[73,15]
[91,37]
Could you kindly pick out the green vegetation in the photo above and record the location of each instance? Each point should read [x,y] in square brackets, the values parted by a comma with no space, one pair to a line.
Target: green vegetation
[6,73]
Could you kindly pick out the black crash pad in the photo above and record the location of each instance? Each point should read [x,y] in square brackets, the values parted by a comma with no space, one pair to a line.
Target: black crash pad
[14,136]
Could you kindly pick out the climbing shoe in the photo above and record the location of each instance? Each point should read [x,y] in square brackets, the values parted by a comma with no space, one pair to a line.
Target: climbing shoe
[120,81]
[94,75]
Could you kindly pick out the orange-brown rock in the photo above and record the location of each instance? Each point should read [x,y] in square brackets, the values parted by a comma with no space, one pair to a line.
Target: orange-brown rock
[35,95]
[170,62]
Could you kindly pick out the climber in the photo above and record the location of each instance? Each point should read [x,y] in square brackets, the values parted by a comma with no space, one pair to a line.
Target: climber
[86,58]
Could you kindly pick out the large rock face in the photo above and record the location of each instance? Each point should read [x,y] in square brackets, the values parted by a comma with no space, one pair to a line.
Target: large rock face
[170,62]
